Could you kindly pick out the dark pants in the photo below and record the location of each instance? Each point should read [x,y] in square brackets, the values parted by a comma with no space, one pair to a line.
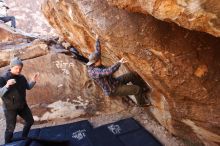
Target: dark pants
[11,116]
[136,89]
[6,19]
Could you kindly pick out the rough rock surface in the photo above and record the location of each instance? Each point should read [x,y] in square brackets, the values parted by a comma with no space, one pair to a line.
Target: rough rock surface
[64,90]
[181,66]
[201,15]
[7,34]
[29,17]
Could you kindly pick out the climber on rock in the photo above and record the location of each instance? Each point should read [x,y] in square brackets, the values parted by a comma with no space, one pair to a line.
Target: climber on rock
[3,14]
[112,86]
[13,86]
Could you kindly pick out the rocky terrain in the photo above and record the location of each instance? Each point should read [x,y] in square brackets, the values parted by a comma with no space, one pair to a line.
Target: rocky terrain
[29,16]
[64,93]
[201,15]
[180,65]
[178,56]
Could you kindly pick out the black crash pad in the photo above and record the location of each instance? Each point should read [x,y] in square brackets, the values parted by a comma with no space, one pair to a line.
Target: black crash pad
[127,132]
[107,135]
[48,143]
[64,135]
[101,136]
[77,134]
[74,133]
[34,133]
[123,126]
[19,143]
[56,133]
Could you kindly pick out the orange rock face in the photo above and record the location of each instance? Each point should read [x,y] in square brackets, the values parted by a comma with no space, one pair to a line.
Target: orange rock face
[63,91]
[201,15]
[181,66]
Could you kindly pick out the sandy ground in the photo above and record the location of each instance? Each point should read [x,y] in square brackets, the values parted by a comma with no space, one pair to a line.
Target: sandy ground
[138,113]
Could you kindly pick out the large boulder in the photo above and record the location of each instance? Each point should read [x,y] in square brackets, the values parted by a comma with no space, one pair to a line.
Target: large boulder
[201,15]
[17,43]
[64,90]
[29,17]
[7,34]
[181,66]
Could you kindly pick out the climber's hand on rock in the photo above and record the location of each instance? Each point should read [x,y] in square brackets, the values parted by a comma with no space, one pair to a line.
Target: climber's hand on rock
[96,36]
[122,61]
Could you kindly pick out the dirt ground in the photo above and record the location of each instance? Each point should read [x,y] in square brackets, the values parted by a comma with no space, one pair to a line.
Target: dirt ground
[103,118]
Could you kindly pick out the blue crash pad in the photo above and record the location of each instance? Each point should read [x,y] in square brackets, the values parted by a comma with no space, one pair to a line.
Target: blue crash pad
[123,126]
[127,132]
[77,133]
[48,143]
[19,143]
[53,133]
[101,136]
[107,135]
[34,133]
[64,135]
[74,133]
[36,143]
